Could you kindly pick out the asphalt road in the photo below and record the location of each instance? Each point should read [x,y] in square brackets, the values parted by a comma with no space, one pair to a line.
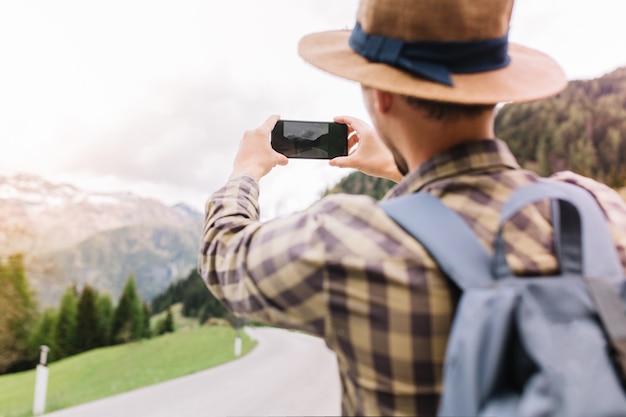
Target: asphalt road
[286,374]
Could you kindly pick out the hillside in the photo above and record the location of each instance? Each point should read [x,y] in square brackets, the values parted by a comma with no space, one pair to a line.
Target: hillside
[583,129]
[155,254]
[359,183]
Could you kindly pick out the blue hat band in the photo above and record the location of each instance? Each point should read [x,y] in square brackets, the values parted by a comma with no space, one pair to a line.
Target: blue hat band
[433,60]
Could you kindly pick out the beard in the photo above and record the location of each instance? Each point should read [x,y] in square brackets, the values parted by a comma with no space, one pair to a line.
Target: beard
[398,159]
[401,165]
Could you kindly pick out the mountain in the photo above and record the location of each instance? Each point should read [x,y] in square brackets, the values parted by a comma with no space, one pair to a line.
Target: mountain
[582,129]
[44,217]
[156,255]
[72,236]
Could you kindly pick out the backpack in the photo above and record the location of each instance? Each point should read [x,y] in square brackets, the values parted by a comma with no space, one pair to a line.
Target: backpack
[551,346]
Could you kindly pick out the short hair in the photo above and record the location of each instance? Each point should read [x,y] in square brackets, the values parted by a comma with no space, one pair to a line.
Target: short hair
[441,110]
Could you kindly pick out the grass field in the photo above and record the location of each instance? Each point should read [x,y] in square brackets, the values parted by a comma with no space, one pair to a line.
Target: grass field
[107,371]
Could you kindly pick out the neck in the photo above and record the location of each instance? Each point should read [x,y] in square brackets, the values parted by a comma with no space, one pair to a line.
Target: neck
[418,137]
[436,136]
[414,136]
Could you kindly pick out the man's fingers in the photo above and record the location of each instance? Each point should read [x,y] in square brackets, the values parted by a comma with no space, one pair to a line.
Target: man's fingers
[352,140]
[347,120]
[340,162]
[270,122]
[282,159]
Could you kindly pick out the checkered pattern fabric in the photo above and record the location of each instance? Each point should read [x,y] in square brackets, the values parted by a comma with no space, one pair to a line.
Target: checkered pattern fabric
[346,272]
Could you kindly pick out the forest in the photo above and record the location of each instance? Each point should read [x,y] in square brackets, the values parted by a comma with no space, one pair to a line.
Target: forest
[87,319]
[582,129]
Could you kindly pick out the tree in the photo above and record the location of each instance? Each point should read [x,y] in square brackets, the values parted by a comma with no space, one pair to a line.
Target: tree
[104,310]
[166,324]
[147,332]
[211,308]
[17,313]
[128,318]
[87,321]
[172,295]
[65,329]
[195,295]
[44,334]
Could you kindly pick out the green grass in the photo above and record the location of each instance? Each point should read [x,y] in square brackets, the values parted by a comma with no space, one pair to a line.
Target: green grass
[107,371]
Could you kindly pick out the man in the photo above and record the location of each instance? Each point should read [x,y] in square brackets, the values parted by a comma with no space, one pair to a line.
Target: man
[432,72]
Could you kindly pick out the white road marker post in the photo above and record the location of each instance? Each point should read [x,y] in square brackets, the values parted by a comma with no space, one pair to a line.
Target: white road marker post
[41,382]
[238,341]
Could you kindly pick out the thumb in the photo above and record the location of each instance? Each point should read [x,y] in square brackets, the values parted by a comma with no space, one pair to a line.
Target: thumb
[340,162]
[282,159]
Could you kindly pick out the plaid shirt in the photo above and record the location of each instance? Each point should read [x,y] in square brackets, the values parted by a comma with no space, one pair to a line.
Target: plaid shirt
[345,271]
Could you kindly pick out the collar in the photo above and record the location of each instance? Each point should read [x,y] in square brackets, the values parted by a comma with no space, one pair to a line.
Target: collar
[466,158]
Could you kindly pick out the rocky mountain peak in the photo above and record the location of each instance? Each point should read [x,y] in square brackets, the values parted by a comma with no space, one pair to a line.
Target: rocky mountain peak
[42,216]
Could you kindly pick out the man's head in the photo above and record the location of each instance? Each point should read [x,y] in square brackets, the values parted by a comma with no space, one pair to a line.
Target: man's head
[432,71]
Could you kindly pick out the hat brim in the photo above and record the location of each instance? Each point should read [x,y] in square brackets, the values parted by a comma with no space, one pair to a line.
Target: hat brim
[531,75]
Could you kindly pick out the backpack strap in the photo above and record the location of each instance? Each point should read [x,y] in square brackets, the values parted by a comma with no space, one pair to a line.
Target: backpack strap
[580,217]
[443,233]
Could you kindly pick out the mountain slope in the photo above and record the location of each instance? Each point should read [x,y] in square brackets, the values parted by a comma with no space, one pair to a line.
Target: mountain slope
[583,129]
[45,217]
[156,255]
[71,236]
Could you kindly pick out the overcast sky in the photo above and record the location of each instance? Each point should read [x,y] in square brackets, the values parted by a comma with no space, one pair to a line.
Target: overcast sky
[153,96]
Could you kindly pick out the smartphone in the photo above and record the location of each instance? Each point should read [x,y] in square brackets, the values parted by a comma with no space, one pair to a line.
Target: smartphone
[310,140]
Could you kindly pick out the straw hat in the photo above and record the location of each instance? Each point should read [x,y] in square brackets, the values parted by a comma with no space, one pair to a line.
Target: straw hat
[444,50]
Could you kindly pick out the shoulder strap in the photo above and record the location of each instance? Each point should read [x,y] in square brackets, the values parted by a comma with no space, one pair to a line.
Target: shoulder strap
[581,231]
[443,233]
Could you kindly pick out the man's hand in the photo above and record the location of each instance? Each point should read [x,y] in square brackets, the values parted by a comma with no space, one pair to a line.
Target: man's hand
[255,156]
[367,152]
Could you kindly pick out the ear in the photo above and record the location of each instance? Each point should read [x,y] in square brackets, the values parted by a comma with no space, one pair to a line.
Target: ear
[383,101]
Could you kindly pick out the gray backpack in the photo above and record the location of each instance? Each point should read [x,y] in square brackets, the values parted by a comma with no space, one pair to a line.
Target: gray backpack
[550,346]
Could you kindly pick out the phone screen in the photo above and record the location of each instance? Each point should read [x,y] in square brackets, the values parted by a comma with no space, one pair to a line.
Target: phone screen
[311,140]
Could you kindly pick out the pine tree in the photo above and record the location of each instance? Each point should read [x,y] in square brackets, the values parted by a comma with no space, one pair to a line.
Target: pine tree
[195,296]
[166,324]
[128,317]
[87,321]
[104,309]
[17,313]
[44,334]
[147,331]
[65,329]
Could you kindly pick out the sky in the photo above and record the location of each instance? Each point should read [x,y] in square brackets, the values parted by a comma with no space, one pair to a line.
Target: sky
[152,96]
